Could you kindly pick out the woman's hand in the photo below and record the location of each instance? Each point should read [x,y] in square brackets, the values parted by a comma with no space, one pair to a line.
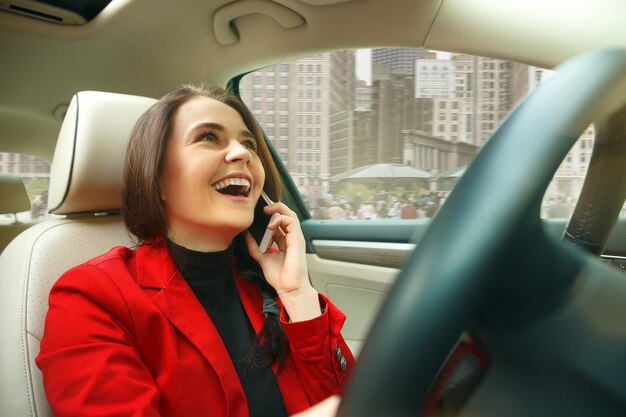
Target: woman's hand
[286,270]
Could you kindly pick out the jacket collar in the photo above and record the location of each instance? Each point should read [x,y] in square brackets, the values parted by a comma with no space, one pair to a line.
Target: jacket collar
[176,300]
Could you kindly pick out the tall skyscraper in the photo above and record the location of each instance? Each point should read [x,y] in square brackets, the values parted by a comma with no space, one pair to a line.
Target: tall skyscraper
[342,104]
[398,60]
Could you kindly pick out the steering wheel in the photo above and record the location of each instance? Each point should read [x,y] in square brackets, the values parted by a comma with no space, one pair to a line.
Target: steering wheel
[486,261]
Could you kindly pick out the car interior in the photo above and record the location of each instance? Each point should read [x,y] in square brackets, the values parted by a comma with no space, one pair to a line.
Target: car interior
[487,309]
[15,200]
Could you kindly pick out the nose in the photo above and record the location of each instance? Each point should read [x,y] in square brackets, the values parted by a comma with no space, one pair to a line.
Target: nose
[236,152]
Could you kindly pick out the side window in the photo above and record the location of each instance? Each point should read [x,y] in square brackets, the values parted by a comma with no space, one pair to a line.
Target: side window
[35,174]
[386,133]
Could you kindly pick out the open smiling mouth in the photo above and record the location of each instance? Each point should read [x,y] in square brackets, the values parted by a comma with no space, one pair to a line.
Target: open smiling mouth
[233,186]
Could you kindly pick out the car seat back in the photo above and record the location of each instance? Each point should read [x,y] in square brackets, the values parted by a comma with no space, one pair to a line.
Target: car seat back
[85,182]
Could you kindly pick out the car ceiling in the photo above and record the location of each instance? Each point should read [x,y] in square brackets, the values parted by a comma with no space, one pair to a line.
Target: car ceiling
[145,47]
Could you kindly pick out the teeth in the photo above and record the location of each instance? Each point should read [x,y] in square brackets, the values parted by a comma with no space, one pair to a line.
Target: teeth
[242,182]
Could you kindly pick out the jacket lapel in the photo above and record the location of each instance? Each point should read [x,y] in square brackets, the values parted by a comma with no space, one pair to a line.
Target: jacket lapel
[176,300]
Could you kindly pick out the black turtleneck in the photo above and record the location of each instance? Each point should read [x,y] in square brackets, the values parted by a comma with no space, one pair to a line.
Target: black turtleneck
[209,274]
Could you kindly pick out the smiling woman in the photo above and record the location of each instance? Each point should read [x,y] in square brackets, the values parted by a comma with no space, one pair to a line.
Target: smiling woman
[196,317]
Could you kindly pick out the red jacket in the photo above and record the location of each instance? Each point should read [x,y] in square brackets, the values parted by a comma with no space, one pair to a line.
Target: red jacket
[126,336]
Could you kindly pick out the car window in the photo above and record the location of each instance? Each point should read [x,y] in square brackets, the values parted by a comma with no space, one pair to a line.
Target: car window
[35,174]
[386,133]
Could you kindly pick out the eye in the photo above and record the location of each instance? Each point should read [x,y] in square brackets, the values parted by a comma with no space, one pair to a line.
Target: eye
[208,137]
[250,144]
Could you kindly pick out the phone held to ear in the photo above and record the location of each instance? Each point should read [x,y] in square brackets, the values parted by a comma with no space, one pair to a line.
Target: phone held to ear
[258,229]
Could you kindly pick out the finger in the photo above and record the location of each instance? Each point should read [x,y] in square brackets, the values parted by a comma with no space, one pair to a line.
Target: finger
[290,226]
[280,239]
[280,208]
[253,248]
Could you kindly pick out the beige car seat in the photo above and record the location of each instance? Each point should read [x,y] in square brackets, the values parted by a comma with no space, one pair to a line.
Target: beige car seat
[85,184]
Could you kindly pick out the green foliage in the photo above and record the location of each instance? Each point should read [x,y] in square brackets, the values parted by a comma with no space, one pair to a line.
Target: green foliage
[352,189]
[399,191]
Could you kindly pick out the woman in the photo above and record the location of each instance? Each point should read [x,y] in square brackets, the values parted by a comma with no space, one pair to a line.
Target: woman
[196,321]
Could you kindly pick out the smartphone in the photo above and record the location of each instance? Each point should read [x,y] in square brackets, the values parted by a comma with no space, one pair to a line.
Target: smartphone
[258,229]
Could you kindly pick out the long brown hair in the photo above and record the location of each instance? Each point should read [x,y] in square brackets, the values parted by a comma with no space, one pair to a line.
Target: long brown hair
[142,207]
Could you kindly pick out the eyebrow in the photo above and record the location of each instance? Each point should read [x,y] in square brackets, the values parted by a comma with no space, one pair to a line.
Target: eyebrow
[216,126]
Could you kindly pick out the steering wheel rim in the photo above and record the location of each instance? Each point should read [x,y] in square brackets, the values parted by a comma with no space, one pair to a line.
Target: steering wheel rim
[407,345]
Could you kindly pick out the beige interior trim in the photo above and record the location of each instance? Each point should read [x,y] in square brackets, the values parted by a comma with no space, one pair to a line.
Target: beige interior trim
[500,28]
[358,290]
[323,2]
[224,24]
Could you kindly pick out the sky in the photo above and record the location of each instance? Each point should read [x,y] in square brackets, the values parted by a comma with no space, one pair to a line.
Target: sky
[363,66]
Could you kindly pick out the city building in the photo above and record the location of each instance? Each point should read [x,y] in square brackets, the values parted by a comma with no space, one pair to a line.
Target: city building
[291,101]
[342,104]
[398,60]
[472,95]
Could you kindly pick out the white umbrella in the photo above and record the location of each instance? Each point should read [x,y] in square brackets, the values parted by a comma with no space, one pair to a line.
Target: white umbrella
[382,172]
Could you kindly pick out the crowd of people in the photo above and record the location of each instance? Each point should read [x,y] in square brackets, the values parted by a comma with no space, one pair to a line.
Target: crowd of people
[379,205]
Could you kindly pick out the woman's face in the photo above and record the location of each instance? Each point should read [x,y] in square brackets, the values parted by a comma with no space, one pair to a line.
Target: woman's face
[211,177]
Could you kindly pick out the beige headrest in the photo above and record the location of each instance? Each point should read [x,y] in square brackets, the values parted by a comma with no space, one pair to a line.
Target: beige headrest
[14,196]
[86,171]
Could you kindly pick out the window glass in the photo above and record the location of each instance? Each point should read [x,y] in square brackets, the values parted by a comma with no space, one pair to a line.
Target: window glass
[35,174]
[368,114]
